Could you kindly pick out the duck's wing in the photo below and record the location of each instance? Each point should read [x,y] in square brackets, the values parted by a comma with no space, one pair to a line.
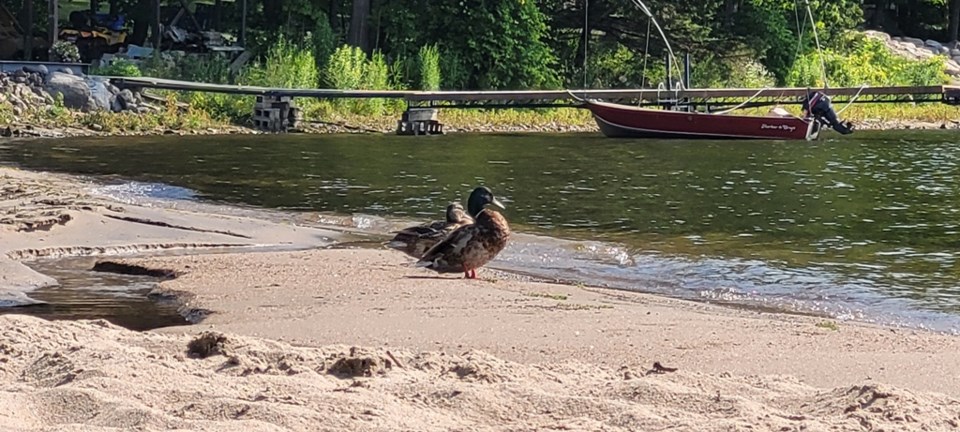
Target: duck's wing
[448,254]
[419,230]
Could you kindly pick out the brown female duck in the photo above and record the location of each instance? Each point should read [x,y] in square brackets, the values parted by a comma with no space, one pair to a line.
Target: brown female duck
[416,240]
[471,246]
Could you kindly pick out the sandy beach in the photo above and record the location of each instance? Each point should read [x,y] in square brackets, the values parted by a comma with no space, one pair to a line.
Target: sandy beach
[299,336]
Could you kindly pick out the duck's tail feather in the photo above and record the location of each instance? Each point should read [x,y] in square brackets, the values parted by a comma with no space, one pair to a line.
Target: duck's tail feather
[427,264]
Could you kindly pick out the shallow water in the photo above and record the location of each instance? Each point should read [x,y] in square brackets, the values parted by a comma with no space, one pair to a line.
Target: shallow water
[84,294]
[861,227]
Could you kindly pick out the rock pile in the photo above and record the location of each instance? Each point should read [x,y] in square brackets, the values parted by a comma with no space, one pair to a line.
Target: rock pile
[918,49]
[37,88]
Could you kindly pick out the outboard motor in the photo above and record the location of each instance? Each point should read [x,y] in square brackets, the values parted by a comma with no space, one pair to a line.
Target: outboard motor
[817,105]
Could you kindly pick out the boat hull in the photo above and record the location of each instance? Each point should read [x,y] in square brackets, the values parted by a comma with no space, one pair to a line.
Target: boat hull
[622,121]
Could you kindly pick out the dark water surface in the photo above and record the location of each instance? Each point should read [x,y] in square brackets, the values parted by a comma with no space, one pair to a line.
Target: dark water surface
[863,227]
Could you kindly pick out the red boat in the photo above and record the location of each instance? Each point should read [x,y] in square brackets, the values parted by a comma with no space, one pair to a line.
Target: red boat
[617,120]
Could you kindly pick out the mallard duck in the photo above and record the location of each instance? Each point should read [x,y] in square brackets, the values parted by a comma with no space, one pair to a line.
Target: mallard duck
[416,240]
[471,246]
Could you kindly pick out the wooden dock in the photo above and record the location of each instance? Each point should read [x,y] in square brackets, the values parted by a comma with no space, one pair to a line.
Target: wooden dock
[422,105]
[568,98]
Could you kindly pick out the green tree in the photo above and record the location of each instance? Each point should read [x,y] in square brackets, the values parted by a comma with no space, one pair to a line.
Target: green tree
[500,44]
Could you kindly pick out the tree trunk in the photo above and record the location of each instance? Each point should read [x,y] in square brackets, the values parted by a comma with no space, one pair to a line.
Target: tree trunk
[273,14]
[27,25]
[334,16]
[954,27]
[359,25]
[142,16]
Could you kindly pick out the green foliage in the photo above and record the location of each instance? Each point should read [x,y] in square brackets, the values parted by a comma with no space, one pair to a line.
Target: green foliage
[862,60]
[58,112]
[284,65]
[487,45]
[119,67]
[350,69]
[323,41]
[732,71]
[63,51]
[455,73]
[345,68]
[6,113]
[375,77]
[429,61]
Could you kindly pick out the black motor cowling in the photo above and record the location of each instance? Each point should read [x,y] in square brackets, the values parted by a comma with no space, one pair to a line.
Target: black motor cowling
[818,105]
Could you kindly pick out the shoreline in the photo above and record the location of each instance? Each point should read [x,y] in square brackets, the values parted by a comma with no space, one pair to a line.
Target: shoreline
[25,130]
[502,352]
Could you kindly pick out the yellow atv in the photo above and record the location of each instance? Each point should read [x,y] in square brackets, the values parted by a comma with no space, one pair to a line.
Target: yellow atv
[94,34]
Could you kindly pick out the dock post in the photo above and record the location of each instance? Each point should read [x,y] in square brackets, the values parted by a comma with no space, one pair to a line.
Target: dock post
[275,114]
[420,121]
[669,73]
[686,70]
[53,10]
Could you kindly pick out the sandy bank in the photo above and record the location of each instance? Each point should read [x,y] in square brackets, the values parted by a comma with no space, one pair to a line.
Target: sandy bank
[51,215]
[91,376]
[500,353]
[374,298]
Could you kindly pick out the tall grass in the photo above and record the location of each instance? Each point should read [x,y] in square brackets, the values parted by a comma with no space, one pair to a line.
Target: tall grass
[350,69]
[429,59]
[345,68]
[285,65]
[376,76]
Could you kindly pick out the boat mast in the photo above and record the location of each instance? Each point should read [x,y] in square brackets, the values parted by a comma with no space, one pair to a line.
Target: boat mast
[663,35]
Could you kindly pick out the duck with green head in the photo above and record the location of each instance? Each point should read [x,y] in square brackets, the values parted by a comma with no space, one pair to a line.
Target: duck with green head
[416,240]
[473,245]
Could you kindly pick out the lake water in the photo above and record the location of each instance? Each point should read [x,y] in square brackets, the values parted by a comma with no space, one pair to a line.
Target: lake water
[861,227]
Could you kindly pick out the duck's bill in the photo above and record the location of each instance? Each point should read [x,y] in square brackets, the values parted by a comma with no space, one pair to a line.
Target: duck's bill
[499,204]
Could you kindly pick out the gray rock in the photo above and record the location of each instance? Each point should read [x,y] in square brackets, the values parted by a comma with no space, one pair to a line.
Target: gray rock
[75,90]
[68,71]
[916,42]
[98,90]
[116,104]
[954,52]
[932,44]
[127,97]
[944,51]
[38,69]
[879,35]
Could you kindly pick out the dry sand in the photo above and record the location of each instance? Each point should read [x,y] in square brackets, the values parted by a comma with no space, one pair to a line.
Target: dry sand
[357,339]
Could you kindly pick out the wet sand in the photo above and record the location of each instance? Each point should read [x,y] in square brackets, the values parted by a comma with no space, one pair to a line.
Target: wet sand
[357,339]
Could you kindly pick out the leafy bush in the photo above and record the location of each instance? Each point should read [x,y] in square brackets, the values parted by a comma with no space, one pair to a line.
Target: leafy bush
[119,67]
[63,51]
[863,60]
[6,113]
[429,60]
